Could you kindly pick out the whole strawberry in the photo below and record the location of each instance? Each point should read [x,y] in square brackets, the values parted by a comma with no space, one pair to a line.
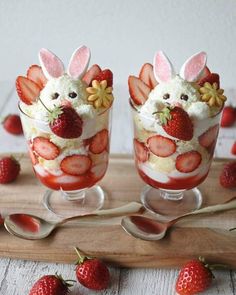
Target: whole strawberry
[65,122]
[176,122]
[194,277]
[50,285]
[228,116]
[9,169]
[12,124]
[228,175]
[1,220]
[92,273]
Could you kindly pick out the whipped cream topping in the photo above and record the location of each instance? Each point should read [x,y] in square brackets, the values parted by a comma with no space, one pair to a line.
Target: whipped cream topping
[175,89]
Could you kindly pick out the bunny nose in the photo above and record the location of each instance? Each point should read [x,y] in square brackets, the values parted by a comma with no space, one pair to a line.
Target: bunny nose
[66,103]
[177,104]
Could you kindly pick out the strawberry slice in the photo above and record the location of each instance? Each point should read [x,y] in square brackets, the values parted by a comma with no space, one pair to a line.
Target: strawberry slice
[36,74]
[105,75]
[208,137]
[91,73]
[141,151]
[27,90]
[188,162]
[161,146]
[147,76]
[205,73]
[45,148]
[99,142]
[76,164]
[33,157]
[211,78]
[138,90]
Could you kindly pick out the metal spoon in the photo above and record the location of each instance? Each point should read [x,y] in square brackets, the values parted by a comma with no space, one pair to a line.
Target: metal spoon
[152,230]
[32,227]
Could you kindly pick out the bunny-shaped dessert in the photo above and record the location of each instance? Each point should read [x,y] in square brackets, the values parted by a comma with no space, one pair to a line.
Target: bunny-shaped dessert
[64,88]
[178,90]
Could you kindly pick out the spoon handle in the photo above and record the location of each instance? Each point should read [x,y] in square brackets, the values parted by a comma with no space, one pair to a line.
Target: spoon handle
[230,204]
[129,208]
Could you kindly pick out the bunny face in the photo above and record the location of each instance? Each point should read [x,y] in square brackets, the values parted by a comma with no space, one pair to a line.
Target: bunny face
[177,90]
[63,90]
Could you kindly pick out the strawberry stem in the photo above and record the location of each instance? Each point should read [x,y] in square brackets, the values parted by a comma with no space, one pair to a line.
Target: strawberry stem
[82,258]
[78,253]
[45,106]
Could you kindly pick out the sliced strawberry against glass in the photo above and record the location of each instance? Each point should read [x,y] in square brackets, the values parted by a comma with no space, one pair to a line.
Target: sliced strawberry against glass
[138,90]
[161,146]
[147,76]
[209,137]
[99,142]
[27,90]
[141,151]
[33,156]
[91,74]
[35,73]
[76,164]
[45,148]
[188,162]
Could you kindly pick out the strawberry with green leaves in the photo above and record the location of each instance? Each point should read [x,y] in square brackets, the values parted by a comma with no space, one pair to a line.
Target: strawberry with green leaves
[176,122]
[92,272]
[9,169]
[51,285]
[195,277]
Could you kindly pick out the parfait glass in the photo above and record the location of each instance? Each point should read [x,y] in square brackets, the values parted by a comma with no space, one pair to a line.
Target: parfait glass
[170,190]
[72,176]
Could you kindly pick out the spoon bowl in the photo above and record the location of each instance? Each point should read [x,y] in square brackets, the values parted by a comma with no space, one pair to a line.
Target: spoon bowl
[32,227]
[149,229]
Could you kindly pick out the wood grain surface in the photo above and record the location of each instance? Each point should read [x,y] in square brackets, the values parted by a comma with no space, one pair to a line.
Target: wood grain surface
[196,236]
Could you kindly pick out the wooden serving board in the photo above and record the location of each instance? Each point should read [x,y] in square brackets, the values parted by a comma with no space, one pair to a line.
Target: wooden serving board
[190,239]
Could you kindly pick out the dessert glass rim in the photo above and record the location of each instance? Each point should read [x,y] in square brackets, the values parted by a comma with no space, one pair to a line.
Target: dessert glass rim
[46,122]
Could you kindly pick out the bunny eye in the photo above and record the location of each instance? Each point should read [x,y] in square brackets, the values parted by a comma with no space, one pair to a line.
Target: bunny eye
[55,95]
[166,96]
[184,97]
[72,94]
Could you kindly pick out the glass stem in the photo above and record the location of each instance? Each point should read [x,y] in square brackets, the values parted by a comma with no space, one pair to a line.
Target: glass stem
[77,195]
[172,195]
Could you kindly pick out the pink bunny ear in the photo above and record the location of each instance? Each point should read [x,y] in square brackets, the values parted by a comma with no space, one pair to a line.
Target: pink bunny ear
[52,66]
[162,67]
[79,62]
[193,67]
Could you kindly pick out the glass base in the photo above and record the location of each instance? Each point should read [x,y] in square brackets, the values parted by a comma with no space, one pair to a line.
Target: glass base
[167,204]
[70,203]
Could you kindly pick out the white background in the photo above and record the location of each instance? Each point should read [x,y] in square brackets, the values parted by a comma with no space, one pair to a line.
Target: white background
[122,35]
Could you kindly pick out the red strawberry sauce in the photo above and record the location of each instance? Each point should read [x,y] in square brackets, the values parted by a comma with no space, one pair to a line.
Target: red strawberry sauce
[174,183]
[26,222]
[83,181]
